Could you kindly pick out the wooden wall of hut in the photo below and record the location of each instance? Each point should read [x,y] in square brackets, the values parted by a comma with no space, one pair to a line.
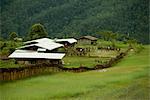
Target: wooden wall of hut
[84,41]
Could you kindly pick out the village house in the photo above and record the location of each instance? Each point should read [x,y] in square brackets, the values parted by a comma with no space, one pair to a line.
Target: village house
[38,51]
[89,40]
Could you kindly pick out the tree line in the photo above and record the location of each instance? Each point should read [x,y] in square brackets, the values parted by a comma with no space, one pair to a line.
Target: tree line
[74,18]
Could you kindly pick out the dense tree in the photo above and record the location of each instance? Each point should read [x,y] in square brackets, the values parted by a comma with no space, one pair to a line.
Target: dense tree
[106,35]
[37,31]
[7,47]
[86,17]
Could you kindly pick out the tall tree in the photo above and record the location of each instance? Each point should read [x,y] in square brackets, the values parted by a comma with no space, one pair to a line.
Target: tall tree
[61,16]
[106,35]
[109,36]
[37,31]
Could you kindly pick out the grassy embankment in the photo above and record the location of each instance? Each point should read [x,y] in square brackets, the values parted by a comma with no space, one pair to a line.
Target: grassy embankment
[128,80]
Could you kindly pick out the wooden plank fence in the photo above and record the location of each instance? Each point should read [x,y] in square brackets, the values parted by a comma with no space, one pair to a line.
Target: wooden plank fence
[23,72]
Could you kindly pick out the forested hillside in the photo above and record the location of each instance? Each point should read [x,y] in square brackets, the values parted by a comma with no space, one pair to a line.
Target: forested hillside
[63,18]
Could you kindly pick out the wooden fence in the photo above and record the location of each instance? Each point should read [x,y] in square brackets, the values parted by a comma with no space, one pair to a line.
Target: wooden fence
[23,72]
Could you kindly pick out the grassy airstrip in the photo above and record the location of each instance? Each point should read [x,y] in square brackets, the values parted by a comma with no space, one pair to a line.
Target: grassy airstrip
[128,80]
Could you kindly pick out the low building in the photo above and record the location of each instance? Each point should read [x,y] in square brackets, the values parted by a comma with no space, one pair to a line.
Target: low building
[27,57]
[38,52]
[90,40]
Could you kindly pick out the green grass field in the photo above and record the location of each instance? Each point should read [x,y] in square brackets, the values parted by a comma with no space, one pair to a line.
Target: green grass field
[97,57]
[77,61]
[128,80]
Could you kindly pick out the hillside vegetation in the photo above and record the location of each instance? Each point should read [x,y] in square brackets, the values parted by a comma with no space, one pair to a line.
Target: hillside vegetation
[66,18]
[129,80]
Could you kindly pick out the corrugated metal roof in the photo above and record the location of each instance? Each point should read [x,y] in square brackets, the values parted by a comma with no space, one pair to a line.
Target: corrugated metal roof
[42,40]
[30,54]
[44,45]
[70,40]
[24,51]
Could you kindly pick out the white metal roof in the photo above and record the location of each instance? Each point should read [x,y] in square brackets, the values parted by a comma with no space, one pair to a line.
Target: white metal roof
[70,40]
[24,51]
[42,40]
[29,54]
[44,45]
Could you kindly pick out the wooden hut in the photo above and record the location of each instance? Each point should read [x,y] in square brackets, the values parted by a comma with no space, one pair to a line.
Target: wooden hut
[90,40]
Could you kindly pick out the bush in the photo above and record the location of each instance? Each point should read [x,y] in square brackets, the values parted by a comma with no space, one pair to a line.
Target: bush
[8,47]
[5,51]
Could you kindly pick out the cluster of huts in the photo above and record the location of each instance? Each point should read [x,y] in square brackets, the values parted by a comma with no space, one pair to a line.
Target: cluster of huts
[47,50]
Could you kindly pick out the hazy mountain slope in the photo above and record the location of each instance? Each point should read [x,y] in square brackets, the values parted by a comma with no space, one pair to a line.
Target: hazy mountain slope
[76,17]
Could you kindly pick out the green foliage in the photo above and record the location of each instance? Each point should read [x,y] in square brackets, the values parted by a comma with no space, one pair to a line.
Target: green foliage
[8,64]
[12,35]
[2,45]
[5,52]
[105,35]
[7,47]
[37,31]
[109,36]
[76,61]
[62,18]
[132,43]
